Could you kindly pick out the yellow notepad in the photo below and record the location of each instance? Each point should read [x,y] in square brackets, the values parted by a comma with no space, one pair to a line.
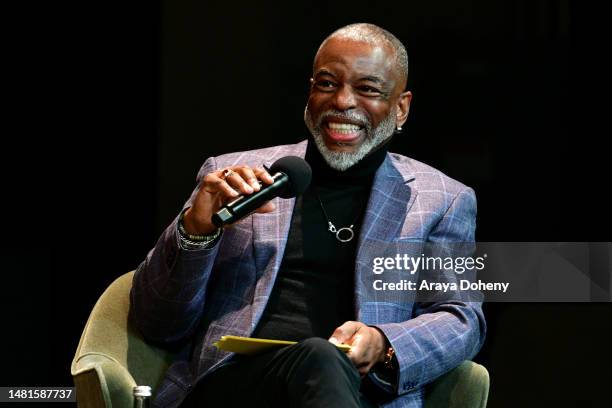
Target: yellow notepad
[251,346]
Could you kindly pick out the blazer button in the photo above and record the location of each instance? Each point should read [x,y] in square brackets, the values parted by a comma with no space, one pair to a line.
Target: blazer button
[408,385]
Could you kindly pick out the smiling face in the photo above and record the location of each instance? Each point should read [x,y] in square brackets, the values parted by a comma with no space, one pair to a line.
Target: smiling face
[356,99]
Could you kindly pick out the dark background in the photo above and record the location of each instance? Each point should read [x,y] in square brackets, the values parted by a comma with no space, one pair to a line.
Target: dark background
[115,105]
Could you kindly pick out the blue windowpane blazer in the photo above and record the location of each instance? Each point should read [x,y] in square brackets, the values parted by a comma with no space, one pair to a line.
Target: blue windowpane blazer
[191,298]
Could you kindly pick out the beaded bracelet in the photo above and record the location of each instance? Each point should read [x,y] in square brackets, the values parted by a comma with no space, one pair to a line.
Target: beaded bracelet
[196,239]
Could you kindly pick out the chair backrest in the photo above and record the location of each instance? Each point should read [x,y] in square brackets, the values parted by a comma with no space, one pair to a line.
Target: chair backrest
[110,333]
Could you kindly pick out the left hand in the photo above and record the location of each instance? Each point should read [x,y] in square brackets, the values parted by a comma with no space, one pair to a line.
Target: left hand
[367,344]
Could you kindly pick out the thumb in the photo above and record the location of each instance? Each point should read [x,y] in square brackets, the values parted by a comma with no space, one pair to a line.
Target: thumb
[343,333]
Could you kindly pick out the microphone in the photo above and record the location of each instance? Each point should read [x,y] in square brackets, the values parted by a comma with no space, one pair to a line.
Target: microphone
[291,176]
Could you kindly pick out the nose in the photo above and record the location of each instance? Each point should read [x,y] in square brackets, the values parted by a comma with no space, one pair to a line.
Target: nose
[344,98]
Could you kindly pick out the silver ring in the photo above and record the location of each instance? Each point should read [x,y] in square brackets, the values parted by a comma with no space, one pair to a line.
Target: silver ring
[227,173]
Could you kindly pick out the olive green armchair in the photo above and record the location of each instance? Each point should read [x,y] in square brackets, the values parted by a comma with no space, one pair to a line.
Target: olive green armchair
[112,358]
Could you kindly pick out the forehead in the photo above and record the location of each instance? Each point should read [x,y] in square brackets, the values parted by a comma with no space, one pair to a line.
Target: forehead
[352,57]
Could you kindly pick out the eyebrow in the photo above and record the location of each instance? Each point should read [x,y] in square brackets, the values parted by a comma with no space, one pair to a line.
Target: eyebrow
[324,72]
[373,78]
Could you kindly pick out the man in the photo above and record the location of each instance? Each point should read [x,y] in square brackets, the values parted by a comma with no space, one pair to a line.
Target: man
[289,270]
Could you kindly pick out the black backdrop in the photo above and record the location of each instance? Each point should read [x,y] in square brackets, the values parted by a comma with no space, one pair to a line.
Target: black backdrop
[116,105]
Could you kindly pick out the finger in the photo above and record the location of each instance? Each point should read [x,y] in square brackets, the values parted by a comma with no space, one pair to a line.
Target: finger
[249,175]
[263,175]
[266,208]
[363,365]
[358,349]
[235,180]
[364,369]
[343,333]
[354,358]
[358,353]
[362,350]
[213,184]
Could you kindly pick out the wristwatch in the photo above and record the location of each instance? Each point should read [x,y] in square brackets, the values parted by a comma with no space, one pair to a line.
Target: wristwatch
[388,361]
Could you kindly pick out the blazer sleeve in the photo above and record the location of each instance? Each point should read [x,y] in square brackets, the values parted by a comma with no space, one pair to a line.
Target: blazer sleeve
[441,334]
[169,287]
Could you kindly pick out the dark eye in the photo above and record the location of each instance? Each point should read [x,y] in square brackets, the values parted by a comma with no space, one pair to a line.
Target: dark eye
[368,90]
[325,85]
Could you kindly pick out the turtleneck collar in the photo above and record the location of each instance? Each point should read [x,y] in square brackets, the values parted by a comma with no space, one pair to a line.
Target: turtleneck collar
[361,171]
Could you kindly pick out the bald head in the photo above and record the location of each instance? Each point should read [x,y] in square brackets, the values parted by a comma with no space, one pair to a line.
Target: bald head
[376,36]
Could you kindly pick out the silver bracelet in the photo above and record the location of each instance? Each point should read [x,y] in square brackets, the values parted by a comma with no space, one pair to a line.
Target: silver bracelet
[194,245]
[195,241]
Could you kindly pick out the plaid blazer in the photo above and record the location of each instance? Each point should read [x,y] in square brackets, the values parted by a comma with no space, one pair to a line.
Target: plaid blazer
[189,299]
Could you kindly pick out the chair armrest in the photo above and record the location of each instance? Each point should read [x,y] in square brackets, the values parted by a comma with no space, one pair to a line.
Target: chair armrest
[102,382]
[466,386]
[112,357]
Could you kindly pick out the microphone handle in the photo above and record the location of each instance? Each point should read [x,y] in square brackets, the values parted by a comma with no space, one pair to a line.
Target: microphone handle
[246,204]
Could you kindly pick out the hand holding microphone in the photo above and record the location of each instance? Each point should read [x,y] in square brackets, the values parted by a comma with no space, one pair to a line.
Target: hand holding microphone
[228,195]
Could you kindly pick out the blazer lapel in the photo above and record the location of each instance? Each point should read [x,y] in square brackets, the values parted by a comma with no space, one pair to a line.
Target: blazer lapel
[270,232]
[390,200]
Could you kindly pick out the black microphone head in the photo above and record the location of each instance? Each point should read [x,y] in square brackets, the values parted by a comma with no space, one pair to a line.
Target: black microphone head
[298,171]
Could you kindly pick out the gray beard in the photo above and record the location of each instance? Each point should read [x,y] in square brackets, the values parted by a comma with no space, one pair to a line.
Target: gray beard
[344,160]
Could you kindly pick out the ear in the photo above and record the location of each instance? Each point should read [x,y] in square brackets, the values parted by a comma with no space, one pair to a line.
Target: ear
[403,107]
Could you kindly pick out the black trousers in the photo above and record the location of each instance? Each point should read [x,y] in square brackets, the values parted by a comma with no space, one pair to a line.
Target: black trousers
[311,373]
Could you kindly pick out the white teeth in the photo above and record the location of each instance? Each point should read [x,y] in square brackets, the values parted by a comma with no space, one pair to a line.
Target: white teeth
[343,127]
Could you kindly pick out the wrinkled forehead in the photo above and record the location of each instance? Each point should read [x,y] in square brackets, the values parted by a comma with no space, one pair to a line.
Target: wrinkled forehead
[356,57]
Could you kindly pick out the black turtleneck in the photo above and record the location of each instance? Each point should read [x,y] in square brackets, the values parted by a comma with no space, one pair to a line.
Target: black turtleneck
[314,290]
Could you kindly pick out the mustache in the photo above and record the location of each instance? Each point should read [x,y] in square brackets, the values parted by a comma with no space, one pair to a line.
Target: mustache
[356,117]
